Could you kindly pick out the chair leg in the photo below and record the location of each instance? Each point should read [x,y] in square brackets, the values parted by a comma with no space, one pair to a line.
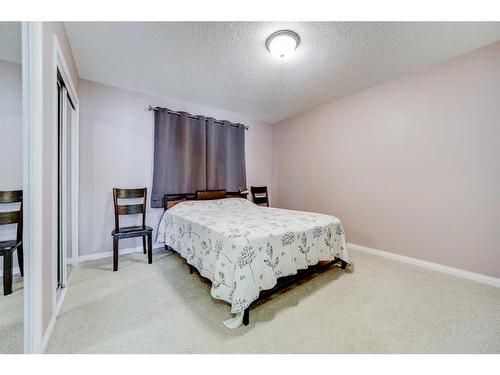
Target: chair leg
[144,244]
[20,259]
[115,254]
[150,249]
[7,274]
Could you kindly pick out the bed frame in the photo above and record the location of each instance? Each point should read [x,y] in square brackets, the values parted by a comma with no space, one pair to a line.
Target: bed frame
[169,200]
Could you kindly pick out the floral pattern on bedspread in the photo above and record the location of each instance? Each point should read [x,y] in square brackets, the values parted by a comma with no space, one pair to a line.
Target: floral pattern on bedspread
[244,248]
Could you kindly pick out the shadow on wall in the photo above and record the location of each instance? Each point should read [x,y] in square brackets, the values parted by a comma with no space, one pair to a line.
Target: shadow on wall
[359,238]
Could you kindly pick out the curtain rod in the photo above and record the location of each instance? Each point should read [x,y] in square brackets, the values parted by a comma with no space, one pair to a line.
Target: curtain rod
[156,108]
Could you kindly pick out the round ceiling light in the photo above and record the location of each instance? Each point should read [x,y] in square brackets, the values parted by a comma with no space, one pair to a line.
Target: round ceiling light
[282,43]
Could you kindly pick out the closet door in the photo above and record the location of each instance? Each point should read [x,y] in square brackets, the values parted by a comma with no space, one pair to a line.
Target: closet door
[68,191]
[65,257]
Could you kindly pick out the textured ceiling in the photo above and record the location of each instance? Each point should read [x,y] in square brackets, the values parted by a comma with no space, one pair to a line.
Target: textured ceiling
[226,65]
[10,41]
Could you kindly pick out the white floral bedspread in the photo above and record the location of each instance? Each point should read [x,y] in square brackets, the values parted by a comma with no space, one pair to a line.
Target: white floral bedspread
[244,248]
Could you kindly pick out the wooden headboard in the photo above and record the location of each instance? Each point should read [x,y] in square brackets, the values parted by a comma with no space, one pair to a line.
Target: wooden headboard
[204,195]
[170,200]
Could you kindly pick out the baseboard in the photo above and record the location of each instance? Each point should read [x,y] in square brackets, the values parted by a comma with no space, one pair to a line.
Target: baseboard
[108,254]
[48,333]
[50,327]
[485,279]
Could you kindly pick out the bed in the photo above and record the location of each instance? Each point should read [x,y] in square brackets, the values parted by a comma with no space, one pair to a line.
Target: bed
[249,252]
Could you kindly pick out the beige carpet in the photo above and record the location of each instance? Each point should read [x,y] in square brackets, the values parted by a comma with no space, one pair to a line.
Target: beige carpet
[11,318]
[380,306]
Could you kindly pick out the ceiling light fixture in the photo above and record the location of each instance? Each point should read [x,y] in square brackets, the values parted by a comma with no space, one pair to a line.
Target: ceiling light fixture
[282,43]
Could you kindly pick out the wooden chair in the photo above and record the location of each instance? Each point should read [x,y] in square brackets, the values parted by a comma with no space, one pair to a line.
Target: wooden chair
[7,248]
[259,195]
[134,231]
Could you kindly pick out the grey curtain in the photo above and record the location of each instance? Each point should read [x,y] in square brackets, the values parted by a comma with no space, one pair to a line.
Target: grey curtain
[179,155]
[193,154]
[225,156]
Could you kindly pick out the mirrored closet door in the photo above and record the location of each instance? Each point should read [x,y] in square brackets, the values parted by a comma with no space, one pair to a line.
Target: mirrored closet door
[66,176]
[11,193]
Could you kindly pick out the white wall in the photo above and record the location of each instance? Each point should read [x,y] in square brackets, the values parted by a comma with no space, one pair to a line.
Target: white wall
[411,166]
[116,150]
[10,137]
[50,31]
[10,126]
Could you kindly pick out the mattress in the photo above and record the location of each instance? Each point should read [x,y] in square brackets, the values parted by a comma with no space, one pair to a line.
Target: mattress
[243,248]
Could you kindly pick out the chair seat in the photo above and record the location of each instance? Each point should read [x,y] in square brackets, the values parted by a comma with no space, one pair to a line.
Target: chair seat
[8,246]
[132,231]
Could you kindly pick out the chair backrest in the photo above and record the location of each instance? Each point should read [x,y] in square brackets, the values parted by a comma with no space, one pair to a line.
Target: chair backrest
[129,209]
[259,195]
[13,217]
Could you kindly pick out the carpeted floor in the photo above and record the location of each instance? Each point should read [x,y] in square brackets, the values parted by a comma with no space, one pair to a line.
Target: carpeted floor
[11,318]
[379,306]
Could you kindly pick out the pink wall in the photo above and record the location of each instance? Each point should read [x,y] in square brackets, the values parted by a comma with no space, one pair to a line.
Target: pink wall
[411,166]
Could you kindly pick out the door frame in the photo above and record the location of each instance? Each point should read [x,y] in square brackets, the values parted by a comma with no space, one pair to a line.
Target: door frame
[32,141]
